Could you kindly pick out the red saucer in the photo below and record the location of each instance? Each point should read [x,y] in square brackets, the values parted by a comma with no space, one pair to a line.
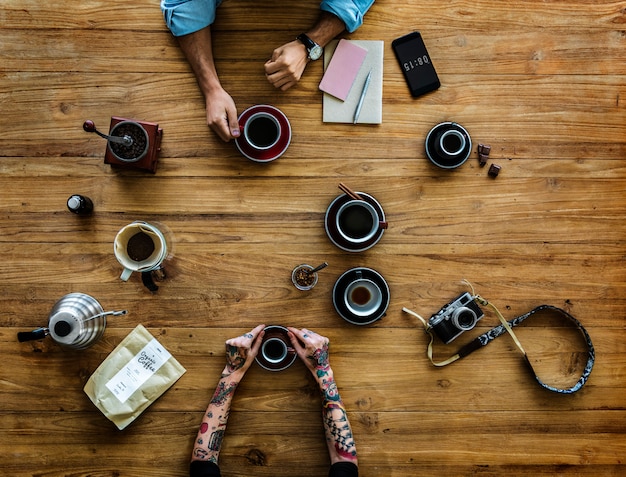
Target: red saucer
[278,149]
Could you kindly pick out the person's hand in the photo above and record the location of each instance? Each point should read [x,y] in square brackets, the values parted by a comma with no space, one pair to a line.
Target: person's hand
[311,348]
[221,114]
[284,69]
[241,351]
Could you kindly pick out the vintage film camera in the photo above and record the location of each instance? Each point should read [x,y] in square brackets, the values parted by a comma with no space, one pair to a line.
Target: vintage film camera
[453,319]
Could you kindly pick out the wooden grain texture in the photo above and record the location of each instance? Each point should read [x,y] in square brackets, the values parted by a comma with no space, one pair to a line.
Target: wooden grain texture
[542,82]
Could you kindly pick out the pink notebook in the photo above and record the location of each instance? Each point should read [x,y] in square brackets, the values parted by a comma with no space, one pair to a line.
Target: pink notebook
[343,69]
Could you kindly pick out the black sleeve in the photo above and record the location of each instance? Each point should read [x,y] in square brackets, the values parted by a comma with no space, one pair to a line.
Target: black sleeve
[209,469]
[202,468]
[343,469]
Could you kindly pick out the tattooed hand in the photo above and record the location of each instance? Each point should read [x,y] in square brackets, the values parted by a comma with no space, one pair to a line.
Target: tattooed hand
[311,348]
[241,351]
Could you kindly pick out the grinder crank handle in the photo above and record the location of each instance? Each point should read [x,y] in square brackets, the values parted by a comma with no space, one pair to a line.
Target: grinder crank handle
[89,126]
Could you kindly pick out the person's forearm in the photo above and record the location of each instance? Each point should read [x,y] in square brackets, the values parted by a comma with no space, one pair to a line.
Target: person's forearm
[327,27]
[198,50]
[211,433]
[240,353]
[339,438]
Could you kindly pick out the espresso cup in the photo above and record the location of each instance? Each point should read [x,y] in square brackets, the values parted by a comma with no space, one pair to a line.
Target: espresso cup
[452,143]
[140,247]
[274,350]
[357,221]
[261,131]
[363,297]
[448,145]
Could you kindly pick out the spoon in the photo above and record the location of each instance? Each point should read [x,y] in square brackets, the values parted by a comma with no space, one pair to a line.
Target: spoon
[126,140]
[317,269]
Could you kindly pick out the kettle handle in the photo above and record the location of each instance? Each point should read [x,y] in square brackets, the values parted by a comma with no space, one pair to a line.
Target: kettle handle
[38,334]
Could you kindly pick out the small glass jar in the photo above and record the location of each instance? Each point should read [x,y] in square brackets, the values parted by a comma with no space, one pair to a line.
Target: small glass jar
[302,279]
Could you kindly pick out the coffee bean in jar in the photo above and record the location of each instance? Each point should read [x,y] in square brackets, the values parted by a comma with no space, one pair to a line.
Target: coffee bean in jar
[302,278]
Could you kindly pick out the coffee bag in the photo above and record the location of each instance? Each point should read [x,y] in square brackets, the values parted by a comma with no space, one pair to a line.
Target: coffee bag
[136,373]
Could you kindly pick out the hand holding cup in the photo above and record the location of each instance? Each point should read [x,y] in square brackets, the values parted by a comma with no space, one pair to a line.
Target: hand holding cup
[311,347]
[241,351]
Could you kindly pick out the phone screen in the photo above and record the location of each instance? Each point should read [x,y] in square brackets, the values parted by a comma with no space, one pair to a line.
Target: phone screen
[416,64]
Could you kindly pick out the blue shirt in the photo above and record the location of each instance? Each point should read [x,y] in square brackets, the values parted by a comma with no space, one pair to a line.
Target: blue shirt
[187,16]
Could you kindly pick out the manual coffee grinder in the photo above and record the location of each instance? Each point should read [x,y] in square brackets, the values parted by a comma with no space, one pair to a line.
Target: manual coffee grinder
[130,144]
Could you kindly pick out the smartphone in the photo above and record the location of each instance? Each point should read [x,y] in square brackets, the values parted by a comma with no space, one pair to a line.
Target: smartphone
[416,64]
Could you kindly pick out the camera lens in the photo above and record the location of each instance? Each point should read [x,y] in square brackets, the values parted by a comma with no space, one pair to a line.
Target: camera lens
[464,318]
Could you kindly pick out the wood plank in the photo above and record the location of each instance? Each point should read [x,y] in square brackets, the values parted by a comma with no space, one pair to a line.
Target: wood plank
[540,52]
[67,100]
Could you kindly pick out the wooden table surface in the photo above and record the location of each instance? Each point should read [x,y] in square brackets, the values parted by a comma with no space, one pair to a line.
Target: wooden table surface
[542,82]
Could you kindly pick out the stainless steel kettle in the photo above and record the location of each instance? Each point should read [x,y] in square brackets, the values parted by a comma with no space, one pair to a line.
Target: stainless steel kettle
[76,321]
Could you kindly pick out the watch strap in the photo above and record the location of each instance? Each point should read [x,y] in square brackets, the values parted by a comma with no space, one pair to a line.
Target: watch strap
[313,49]
[306,41]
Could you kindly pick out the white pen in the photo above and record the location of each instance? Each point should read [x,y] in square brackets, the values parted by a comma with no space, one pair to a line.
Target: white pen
[363,93]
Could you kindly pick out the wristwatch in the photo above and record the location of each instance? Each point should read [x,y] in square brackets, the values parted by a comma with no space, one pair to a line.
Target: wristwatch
[315,51]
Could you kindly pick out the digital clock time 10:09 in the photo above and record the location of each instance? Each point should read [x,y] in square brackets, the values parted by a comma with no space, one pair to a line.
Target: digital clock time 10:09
[416,63]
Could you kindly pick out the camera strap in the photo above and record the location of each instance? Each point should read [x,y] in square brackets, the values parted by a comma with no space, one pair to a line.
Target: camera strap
[507,327]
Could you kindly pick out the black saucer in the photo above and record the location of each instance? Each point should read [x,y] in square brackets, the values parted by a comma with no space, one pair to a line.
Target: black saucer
[280,332]
[344,281]
[330,224]
[274,152]
[438,157]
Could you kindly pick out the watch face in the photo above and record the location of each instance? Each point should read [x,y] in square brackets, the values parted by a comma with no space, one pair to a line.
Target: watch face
[316,52]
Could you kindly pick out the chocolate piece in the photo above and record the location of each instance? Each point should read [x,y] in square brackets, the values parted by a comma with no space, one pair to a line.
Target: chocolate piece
[494,170]
[484,149]
[482,159]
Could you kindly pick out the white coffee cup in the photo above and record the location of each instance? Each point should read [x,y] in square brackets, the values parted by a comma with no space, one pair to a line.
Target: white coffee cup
[140,247]
[261,131]
[363,297]
[357,221]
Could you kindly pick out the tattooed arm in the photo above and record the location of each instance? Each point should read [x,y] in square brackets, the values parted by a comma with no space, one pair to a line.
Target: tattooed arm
[313,350]
[240,353]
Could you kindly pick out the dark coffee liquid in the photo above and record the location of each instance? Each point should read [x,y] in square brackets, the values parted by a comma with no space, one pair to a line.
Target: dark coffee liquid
[274,350]
[139,247]
[452,144]
[360,296]
[262,132]
[356,221]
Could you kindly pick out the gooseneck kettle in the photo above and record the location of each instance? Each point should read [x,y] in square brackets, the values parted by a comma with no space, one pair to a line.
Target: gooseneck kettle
[76,321]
